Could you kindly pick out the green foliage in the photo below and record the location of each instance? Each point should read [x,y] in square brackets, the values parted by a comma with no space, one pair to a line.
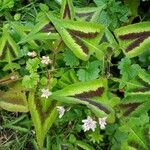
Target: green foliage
[134,39]
[113,14]
[5,4]
[30,81]
[90,72]
[70,59]
[62,62]
[127,71]
[14,99]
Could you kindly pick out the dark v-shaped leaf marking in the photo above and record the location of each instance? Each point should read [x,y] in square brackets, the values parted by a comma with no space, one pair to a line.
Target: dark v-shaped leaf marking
[130,107]
[9,48]
[78,35]
[145,88]
[137,37]
[86,96]
[67,11]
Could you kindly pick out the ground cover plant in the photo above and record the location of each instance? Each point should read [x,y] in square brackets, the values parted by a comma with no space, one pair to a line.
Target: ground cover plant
[74,74]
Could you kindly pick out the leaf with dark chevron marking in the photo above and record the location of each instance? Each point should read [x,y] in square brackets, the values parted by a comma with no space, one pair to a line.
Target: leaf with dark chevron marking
[9,50]
[137,95]
[87,93]
[89,14]
[41,31]
[134,39]
[42,117]
[67,10]
[14,99]
[81,37]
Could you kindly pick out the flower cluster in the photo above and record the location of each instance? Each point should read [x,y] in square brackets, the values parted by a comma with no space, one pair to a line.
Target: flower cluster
[45,60]
[89,123]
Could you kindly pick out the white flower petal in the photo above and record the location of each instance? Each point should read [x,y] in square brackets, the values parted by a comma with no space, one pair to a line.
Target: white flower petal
[61,111]
[89,123]
[46,93]
[102,122]
[45,60]
[32,54]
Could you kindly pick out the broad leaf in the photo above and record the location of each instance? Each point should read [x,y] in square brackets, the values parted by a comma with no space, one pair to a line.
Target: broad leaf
[14,99]
[137,139]
[81,37]
[134,39]
[93,94]
[43,114]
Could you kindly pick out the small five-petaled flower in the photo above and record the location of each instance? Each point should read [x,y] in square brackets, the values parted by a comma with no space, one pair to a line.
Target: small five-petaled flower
[102,122]
[89,123]
[46,93]
[61,111]
[45,60]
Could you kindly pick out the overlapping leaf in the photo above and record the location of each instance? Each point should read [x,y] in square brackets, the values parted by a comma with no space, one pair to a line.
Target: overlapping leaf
[81,37]
[93,94]
[43,114]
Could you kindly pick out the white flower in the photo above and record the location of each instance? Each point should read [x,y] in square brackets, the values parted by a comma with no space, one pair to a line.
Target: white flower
[14,77]
[102,122]
[32,54]
[89,123]
[61,111]
[46,93]
[45,60]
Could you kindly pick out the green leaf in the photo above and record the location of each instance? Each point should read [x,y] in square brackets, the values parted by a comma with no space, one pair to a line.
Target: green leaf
[67,10]
[84,145]
[133,5]
[11,66]
[23,31]
[67,78]
[70,59]
[137,131]
[90,14]
[90,73]
[30,81]
[134,39]
[5,4]
[14,99]
[9,50]
[42,118]
[32,65]
[81,37]
[93,94]
[43,7]
[137,95]
[128,71]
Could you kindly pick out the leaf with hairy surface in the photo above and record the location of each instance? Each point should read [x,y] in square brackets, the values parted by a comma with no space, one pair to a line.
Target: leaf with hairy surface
[43,115]
[14,99]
